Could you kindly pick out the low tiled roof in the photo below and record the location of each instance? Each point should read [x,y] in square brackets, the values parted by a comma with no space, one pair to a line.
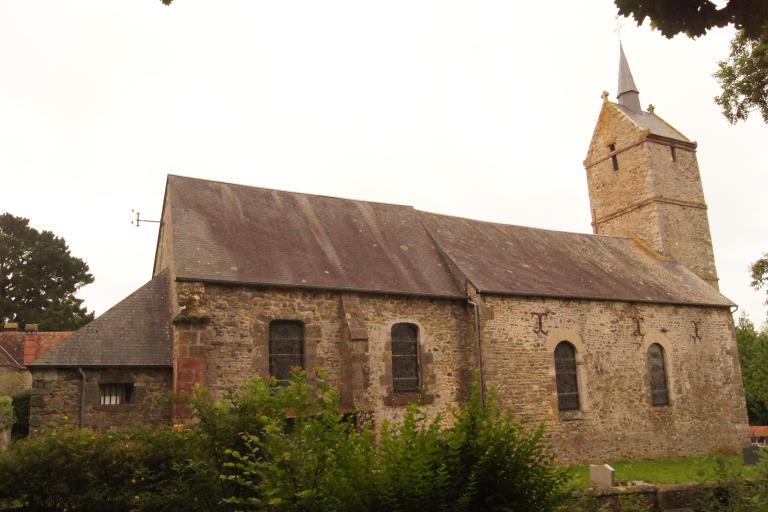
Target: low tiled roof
[135,332]
[758,431]
[233,233]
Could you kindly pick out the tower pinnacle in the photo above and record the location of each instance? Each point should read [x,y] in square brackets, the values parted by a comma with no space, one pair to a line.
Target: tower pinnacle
[628,95]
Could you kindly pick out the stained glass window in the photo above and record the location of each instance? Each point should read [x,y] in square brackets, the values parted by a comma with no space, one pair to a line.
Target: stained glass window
[565,375]
[405,358]
[658,375]
[286,348]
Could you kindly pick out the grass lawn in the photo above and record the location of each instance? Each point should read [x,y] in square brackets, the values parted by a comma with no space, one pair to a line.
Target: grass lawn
[667,471]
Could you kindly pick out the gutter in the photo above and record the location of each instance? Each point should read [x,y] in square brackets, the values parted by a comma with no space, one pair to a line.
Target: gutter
[82,398]
[479,351]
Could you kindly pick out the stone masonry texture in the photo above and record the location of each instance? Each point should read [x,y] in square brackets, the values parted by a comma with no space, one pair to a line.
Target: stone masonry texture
[235,341]
[56,398]
[616,419]
[706,413]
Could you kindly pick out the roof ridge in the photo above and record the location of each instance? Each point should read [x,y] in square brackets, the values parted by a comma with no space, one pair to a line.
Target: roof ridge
[254,187]
[596,235]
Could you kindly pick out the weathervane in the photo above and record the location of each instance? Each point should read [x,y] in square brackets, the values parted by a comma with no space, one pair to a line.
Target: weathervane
[618,28]
[139,220]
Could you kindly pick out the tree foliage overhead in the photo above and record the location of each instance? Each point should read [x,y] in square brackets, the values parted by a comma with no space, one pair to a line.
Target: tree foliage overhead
[743,77]
[39,278]
[695,17]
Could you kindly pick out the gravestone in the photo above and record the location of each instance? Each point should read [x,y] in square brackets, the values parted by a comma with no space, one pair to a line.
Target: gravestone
[602,476]
[751,455]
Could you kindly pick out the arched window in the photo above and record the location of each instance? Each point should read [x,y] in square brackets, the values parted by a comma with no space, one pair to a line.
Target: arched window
[658,375]
[286,348]
[405,358]
[565,376]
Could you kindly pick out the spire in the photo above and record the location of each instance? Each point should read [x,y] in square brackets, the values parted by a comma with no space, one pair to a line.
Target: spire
[628,94]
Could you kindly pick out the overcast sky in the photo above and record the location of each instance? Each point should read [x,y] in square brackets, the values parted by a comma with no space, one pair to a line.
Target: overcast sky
[482,109]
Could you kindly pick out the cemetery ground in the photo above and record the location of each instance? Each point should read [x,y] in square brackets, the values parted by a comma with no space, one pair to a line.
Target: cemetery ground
[669,470]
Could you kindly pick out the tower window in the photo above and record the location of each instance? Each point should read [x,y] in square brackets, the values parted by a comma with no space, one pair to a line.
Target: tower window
[286,348]
[614,158]
[565,377]
[674,153]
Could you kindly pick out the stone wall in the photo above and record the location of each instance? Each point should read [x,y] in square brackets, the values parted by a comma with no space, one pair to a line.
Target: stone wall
[346,334]
[706,413]
[56,398]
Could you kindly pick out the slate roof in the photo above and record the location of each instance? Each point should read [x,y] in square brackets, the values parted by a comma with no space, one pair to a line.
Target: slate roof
[657,125]
[502,259]
[237,234]
[234,233]
[135,332]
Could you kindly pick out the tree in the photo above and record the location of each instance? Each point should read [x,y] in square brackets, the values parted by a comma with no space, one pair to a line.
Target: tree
[744,76]
[759,271]
[744,79]
[753,352]
[39,278]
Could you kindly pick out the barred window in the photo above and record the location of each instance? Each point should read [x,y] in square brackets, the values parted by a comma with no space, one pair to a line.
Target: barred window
[405,358]
[286,348]
[565,377]
[115,394]
[658,375]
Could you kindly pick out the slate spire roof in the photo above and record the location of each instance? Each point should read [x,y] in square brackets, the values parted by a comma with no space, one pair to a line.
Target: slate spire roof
[628,94]
[628,102]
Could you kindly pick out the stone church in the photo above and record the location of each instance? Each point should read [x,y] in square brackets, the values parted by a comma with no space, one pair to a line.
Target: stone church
[619,340]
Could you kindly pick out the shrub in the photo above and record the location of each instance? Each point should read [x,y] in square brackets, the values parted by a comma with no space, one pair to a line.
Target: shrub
[484,461]
[304,456]
[68,470]
[284,449]
[732,493]
[173,471]
[158,469]
[496,462]
[21,413]
[6,412]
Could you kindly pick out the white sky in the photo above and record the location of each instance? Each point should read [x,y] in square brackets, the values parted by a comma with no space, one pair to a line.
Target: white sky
[478,109]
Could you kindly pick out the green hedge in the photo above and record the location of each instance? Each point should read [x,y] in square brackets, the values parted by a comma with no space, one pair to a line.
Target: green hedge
[289,448]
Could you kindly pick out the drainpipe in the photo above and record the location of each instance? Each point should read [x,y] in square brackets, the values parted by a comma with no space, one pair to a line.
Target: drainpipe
[479,351]
[82,398]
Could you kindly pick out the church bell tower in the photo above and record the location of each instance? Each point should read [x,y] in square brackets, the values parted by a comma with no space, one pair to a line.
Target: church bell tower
[644,181]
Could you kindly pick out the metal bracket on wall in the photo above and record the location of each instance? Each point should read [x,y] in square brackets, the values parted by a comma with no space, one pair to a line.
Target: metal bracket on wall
[696,336]
[638,331]
[539,329]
